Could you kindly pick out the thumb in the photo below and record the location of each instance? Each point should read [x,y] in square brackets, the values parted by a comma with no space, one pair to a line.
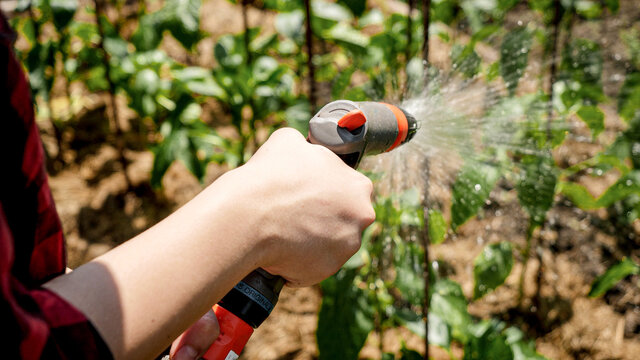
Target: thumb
[196,339]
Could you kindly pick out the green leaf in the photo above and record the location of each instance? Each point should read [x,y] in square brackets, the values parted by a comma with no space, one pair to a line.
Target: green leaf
[182,19]
[149,33]
[578,195]
[484,33]
[514,55]
[629,98]
[439,331]
[116,47]
[625,186]
[146,81]
[28,28]
[465,60]
[525,351]
[470,190]
[536,186]
[357,7]
[437,226]
[63,11]
[582,66]
[491,268]
[263,68]
[348,36]
[613,5]
[448,303]
[487,343]
[588,8]
[593,117]
[341,82]
[199,80]
[229,52]
[291,25]
[612,276]
[414,322]
[415,76]
[298,116]
[408,354]
[330,11]
[493,71]
[409,278]
[345,319]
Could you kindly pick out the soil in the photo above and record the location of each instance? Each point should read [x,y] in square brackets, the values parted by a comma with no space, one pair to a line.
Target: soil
[99,211]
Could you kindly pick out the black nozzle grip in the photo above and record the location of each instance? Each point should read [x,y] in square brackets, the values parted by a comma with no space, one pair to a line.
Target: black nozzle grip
[253,298]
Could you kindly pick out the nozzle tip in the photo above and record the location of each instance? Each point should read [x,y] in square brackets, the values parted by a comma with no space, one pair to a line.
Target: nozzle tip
[413,125]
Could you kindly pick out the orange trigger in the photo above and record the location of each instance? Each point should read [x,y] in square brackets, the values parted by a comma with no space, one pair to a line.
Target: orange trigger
[352,120]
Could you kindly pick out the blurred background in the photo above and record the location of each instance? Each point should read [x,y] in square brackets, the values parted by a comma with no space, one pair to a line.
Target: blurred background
[512,216]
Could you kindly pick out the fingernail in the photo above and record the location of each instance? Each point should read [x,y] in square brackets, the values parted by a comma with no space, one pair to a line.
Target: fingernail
[186,353]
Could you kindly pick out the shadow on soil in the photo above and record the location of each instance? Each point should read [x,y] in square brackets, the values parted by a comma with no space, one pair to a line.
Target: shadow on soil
[122,215]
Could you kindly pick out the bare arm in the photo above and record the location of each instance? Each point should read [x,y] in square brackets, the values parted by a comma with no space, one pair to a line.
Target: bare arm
[295,209]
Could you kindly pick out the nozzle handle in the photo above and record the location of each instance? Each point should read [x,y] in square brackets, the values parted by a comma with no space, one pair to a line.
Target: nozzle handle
[241,310]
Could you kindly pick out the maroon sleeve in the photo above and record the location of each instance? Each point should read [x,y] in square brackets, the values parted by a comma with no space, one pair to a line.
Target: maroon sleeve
[36,323]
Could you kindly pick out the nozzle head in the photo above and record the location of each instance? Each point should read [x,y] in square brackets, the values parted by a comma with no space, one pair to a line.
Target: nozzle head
[413,125]
[355,129]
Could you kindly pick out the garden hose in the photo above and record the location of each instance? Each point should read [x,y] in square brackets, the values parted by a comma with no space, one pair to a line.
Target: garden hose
[349,129]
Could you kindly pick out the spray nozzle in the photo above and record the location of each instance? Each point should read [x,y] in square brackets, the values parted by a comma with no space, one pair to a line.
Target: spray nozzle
[355,129]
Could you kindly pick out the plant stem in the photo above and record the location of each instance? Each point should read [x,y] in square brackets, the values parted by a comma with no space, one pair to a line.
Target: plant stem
[426,20]
[407,53]
[309,41]
[525,259]
[412,6]
[245,24]
[554,54]
[427,264]
[115,122]
[57,133]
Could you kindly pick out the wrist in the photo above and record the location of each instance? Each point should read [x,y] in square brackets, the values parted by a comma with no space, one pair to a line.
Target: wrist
[241,212]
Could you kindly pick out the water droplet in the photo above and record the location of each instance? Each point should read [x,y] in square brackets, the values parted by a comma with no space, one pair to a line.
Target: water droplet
[628,182]
[477,187]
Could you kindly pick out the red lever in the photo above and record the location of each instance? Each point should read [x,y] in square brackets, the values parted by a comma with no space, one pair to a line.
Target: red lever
[352,120]
[234,335]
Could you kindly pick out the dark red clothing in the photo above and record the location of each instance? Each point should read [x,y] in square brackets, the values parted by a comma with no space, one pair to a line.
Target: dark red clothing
[35,322]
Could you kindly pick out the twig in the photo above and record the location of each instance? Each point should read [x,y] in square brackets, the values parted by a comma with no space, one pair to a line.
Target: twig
[245,24]
[427,264]
[554,54]
[426,20]
[309,41]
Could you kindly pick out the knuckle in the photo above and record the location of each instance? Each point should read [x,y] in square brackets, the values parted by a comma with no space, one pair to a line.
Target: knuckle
[287,132]
[368,216]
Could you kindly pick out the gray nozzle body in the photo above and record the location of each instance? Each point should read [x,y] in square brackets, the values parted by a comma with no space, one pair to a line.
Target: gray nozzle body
[378,133]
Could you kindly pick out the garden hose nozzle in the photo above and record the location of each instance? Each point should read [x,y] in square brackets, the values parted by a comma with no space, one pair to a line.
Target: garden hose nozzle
[355,129]
[351,130]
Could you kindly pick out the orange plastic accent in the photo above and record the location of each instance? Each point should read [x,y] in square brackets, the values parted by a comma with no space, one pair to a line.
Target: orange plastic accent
[234,334]
[352,120]
[403,126]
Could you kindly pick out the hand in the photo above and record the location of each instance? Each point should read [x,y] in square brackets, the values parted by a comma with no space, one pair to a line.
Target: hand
[197,339]
[311,207]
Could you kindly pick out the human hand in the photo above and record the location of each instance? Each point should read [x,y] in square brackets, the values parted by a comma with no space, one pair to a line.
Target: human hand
[311,207]
[197,339]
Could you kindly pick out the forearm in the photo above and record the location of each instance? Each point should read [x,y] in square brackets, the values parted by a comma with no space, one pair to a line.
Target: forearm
[143,294]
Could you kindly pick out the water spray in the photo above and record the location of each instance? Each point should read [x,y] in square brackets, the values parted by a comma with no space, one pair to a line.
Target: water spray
[350,129]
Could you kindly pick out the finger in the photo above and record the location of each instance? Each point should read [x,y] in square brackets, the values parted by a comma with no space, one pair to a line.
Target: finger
[197,338]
